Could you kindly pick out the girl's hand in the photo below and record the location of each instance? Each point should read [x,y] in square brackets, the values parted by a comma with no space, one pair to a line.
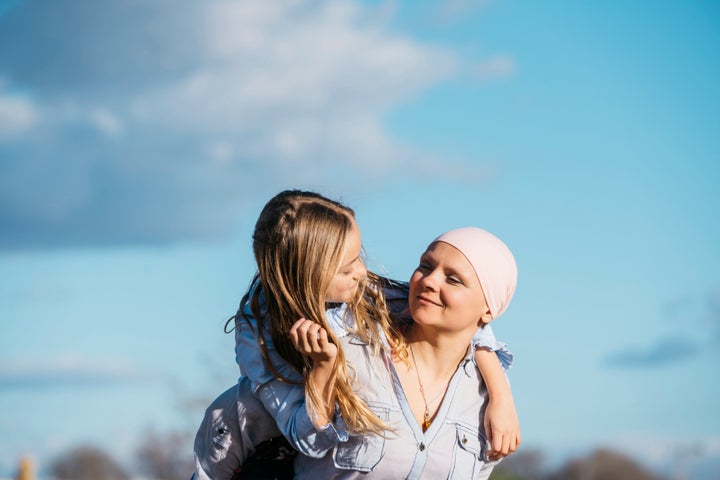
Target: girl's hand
[311,339]
[502,428]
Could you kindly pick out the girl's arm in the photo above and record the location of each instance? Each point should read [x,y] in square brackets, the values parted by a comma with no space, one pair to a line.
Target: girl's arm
[501,421]
[284,401]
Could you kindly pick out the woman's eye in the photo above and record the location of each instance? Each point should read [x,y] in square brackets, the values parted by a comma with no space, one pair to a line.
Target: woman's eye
[423,266]
[454,280]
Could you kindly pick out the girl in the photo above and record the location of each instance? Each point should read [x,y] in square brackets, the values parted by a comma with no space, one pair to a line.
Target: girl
[307,248]
[465,279]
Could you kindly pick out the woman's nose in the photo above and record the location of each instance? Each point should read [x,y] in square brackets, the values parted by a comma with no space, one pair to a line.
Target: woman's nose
[430,280]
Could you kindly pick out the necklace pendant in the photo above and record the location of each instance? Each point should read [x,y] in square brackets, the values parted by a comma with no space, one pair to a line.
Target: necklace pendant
[426,422]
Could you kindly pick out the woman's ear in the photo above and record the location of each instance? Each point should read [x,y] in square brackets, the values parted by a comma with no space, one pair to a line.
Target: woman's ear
[485,318]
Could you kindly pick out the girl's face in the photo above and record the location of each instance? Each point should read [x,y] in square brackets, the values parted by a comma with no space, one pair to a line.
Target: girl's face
[351,270]
[445,292]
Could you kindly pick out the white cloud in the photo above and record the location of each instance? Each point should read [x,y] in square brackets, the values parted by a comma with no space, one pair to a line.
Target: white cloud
[162,118]
[292,60]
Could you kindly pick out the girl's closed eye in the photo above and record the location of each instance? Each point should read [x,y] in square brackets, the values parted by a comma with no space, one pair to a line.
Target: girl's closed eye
[346,270]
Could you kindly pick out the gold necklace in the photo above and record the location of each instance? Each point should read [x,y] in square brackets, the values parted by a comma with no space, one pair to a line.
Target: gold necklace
[426,415]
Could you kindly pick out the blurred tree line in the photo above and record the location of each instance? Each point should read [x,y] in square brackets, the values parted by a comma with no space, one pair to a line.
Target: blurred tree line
[168,457]
[601,464]
[159,457]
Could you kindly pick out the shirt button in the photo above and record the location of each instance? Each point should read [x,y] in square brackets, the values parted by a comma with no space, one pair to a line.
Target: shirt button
[464,440]
[421,447]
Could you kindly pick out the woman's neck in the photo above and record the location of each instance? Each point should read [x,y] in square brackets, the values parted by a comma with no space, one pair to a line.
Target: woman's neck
[437,354]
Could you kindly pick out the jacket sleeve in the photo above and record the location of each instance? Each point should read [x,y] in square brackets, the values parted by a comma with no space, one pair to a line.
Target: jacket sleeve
[485,338]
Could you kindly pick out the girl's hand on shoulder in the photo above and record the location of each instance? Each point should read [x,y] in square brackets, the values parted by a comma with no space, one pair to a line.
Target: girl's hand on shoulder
[310,338]
[502,428]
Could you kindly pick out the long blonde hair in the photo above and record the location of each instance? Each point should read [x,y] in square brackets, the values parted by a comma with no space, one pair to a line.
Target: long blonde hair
[298,242]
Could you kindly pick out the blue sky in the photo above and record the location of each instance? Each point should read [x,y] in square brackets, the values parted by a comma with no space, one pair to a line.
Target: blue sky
[139,140]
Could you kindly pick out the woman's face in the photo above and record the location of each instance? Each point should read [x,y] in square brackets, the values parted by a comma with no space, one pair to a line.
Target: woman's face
[351,269]
[445,292]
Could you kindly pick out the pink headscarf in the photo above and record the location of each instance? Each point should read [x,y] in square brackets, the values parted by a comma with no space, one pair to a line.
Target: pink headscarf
[492,260]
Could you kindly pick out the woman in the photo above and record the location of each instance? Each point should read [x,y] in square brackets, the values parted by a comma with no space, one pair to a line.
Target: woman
[426,387]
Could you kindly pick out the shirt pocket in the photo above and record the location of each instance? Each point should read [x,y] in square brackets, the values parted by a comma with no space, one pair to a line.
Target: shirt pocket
[467,452]
[362,452]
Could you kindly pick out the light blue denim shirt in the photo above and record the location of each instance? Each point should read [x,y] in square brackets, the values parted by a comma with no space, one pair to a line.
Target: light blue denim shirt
[453,447]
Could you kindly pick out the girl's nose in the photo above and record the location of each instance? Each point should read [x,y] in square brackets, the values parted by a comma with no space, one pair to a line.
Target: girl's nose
[360,271]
